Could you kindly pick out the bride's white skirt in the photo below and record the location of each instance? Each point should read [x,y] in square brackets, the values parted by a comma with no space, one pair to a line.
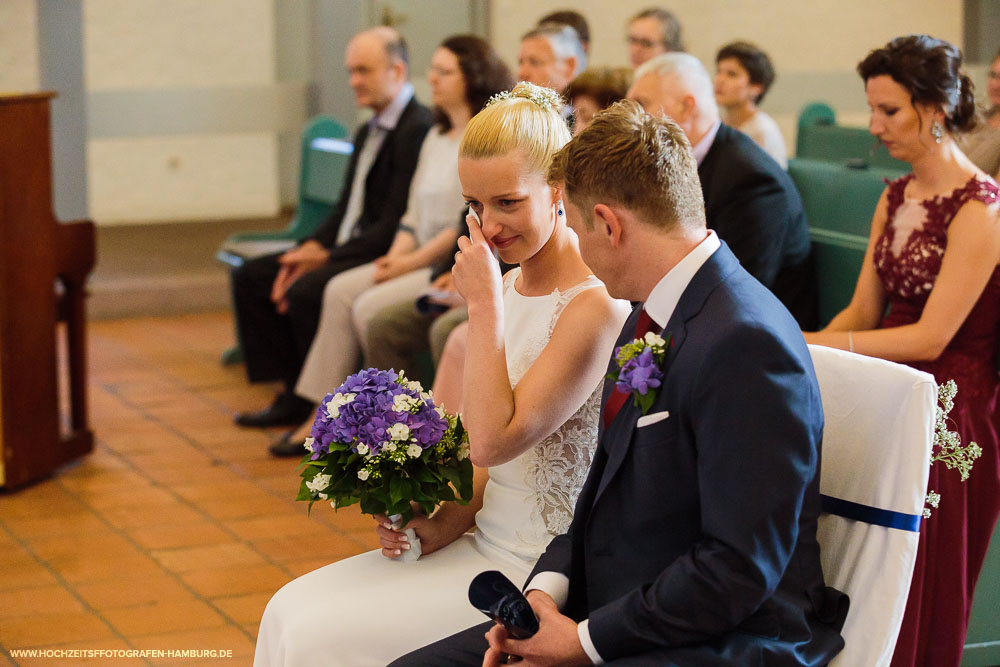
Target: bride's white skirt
[369,610]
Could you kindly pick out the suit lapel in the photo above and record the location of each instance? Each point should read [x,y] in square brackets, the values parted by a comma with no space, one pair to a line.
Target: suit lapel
[618,439]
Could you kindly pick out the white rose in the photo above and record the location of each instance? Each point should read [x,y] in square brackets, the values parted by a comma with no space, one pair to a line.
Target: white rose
[362,475]
[654,340]
[362,448]
[414,451]
[399,431]
[310,444]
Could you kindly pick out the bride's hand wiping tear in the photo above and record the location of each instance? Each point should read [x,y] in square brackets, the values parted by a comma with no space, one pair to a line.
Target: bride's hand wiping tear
[476,270]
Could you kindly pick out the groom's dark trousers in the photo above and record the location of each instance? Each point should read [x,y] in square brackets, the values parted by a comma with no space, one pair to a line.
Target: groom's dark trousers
[694,537]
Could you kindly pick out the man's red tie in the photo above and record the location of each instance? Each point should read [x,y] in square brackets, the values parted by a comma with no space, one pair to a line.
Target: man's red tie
[618,398]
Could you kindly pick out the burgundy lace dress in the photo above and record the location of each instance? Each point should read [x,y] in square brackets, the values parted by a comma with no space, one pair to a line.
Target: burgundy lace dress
[953,542]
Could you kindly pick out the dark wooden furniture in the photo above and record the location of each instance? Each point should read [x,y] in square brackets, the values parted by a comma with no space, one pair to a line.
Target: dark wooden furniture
[43,270]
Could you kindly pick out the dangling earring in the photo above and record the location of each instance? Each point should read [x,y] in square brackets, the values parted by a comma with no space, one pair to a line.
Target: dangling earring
[937,132]
[559,208]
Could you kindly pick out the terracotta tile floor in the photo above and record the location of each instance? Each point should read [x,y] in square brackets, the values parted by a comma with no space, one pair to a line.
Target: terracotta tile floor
[174,533]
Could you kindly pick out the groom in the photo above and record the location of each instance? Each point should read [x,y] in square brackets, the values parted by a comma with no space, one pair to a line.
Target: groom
[694,538]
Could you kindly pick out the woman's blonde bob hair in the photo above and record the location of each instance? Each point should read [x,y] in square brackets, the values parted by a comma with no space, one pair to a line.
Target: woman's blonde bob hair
[527,118]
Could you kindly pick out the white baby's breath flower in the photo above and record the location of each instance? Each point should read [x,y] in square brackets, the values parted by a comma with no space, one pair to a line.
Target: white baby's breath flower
[362,448]
[310,444]
[414,451]
[399,431]
[338,401]
[318,483]
[654,340]
[363,475]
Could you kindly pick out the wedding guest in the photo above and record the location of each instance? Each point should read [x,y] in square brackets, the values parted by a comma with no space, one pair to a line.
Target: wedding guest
[545,329]
[277,298]
[694,537]
[743,76]
[993,92]
[464,73]
[932,259]
[750,201]
[573,19]
[651,32]
[982,144]
[596,89]
[551,55]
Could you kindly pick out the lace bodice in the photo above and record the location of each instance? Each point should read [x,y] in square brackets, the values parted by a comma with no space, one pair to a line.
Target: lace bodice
[908,259]
[530,499]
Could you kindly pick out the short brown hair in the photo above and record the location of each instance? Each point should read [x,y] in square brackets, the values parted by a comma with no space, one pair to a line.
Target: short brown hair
[605,85]
[629,158]
[669,24]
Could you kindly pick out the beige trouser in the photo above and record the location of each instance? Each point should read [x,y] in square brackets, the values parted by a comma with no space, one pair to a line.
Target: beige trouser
[349,302]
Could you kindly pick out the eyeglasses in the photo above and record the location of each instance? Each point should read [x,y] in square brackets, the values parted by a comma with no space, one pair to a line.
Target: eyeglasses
[641,42]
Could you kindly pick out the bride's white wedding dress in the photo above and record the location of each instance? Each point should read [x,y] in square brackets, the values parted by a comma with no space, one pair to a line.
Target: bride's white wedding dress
[369,610]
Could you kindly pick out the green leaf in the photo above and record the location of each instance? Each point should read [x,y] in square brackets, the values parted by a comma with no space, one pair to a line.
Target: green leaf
[645,401]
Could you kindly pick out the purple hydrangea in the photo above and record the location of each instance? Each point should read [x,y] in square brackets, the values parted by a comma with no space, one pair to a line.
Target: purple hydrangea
[364,411]
[640,374]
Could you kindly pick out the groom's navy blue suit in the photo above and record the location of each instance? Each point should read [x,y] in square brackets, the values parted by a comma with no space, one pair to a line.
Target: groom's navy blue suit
[694,537]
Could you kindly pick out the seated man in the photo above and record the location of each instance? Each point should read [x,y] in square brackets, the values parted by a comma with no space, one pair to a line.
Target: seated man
[750,201]
[278,298]
[551,55]
[694,537]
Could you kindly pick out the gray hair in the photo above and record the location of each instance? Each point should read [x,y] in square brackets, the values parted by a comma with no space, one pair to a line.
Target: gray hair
[690,72]
[565,42]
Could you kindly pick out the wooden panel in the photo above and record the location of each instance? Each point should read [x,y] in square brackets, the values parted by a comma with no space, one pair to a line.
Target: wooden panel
[34,252]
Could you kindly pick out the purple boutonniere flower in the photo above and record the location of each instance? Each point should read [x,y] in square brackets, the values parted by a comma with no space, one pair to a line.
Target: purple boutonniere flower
[639,368]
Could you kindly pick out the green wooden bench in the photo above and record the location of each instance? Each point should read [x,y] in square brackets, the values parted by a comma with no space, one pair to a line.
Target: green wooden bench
[839,203]
[326,150]
[820,138]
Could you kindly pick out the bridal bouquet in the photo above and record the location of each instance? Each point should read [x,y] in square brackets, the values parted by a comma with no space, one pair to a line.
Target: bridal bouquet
[378,439]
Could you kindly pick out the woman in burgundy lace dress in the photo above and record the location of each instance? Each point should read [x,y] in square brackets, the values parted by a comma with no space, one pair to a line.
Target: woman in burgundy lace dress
[932,259]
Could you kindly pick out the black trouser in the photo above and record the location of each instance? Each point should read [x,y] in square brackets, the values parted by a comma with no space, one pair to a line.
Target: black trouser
[275,345]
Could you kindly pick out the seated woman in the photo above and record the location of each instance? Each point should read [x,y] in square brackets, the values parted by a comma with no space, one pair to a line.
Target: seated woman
[465,72]
[982,145]
[594,90]
[743,76]
[542,335]
[932,259]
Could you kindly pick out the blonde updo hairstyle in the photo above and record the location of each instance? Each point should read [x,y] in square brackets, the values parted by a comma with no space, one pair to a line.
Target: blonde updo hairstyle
[526,118]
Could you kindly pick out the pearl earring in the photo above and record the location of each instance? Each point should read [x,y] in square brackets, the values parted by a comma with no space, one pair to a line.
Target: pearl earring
[937,132]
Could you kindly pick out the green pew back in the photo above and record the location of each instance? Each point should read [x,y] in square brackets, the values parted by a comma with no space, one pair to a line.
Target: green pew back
[326,150]
[820,138]
[839,203]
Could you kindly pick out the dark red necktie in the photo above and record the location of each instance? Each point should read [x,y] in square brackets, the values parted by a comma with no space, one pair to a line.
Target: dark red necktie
[618,398]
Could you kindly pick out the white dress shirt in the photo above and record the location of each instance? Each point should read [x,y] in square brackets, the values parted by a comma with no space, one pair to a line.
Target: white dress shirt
[660,305]
[378,127]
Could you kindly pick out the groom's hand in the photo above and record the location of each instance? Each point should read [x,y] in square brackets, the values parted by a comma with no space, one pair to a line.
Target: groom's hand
[555,643]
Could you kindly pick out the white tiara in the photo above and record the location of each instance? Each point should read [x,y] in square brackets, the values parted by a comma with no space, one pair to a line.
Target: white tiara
[544,98]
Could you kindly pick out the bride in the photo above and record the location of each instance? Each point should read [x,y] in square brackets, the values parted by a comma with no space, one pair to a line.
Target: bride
[538,342]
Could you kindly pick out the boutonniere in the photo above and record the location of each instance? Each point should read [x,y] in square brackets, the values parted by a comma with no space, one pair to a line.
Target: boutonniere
[639,368]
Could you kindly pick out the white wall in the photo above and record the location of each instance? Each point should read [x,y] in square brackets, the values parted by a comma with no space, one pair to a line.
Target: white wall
[815,46]
[19,71]
[174,49]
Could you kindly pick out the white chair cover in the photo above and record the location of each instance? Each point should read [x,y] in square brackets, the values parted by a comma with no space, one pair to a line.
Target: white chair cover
[876,452]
